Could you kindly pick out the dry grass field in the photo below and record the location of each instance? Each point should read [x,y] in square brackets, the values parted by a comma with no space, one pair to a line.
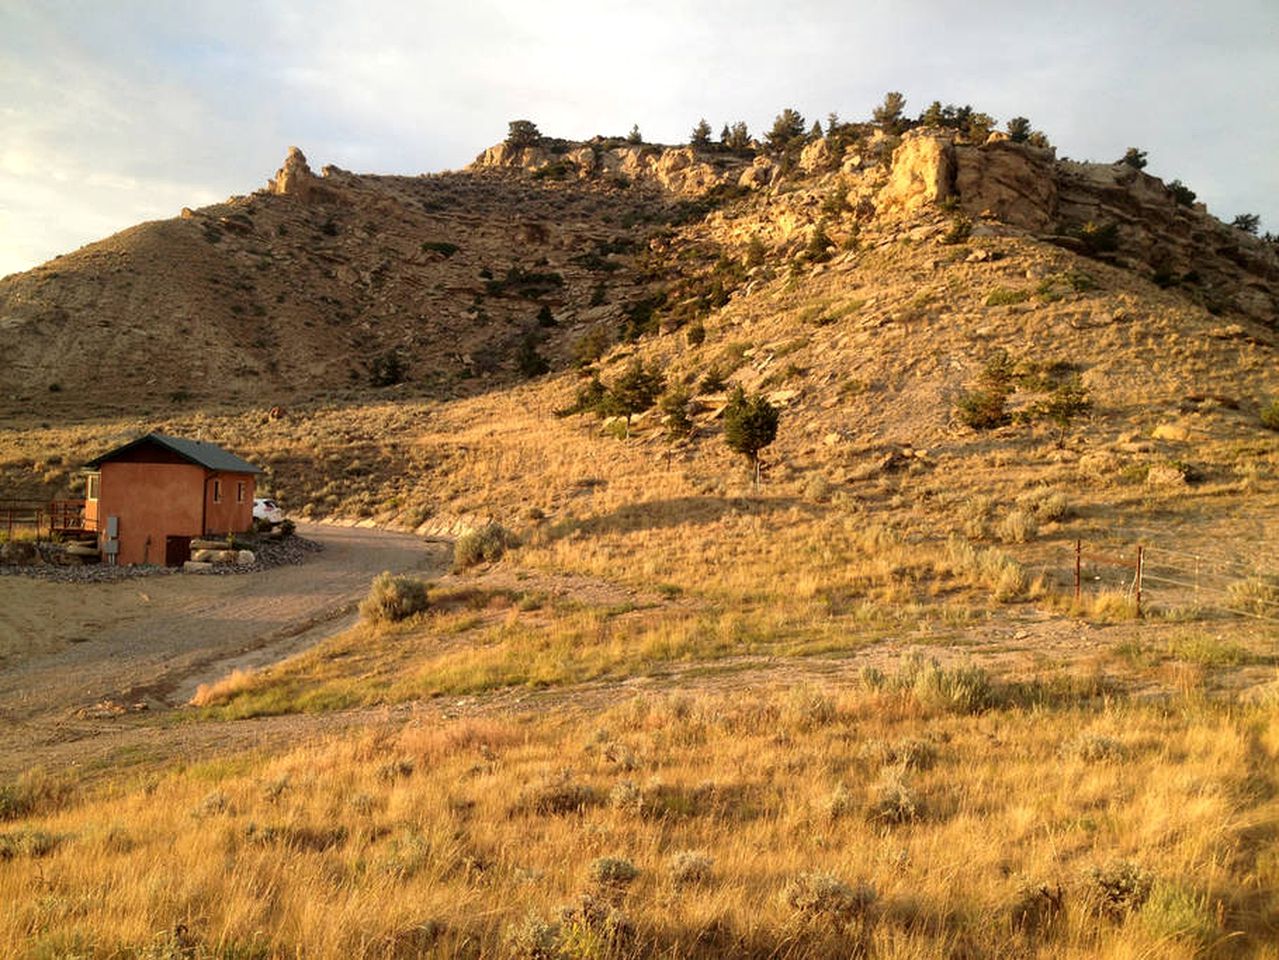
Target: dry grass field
[924,812]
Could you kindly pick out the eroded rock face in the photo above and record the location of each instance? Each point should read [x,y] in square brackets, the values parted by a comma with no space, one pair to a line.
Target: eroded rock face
[677,169]
[294,178]
[759,174]
[818,156]
[922,174]
[1010,182]
[1027,187]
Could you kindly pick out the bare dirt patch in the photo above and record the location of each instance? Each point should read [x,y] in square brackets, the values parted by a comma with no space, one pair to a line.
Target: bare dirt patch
[70,651]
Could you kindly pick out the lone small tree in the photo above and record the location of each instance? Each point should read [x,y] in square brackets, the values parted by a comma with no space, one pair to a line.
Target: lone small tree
[1182,193]
[750,425]
[787,126]
[674,406]
[522,133]
[888,113]
[1066,402]
[1019,130]
[1134,158]
[1247,222]
[530,362]
[985,405]
[635,391]
[977,126]
[701,134]
[635,136]
[739,137]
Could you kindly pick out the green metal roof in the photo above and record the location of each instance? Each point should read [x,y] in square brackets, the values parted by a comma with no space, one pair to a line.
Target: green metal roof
[208,455]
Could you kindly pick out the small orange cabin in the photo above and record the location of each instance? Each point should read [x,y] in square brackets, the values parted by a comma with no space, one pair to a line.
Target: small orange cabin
[151,497]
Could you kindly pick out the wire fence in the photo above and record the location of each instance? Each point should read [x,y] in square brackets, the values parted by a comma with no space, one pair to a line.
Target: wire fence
[1152,573]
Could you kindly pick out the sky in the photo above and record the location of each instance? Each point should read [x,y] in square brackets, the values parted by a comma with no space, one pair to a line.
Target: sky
[118,111]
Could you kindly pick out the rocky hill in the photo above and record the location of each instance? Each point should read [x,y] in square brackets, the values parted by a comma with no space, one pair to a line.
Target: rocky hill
[339,281]
[315,284]
[860,283]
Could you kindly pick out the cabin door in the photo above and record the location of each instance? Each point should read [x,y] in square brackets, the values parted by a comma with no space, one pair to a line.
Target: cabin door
[177,551]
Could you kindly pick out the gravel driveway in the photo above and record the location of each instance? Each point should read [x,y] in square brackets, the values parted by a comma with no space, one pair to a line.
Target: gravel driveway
[73,657]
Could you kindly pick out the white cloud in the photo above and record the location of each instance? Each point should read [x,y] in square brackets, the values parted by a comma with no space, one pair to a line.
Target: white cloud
[110,112]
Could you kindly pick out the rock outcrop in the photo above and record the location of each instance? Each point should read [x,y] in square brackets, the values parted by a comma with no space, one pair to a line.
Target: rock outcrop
[1005,181]
[923,173]
[294,178]
[759,174]
[679,170]
[1026,187]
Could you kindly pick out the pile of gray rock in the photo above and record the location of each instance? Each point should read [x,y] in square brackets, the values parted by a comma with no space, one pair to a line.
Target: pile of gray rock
[48,561]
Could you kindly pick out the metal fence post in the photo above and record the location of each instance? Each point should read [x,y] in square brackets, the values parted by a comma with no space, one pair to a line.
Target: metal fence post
[1141,569]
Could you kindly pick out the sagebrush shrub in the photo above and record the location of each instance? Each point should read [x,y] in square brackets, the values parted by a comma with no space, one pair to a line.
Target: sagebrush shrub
[555,796]
[626,796]
[391,598]
[1045,504]
[1118,888]
[688,867]
[1095,748]
[534,939]
[1270,415]
[1036,906]
[484,545]
[891,800]
[962,689]
[1018,526]
[613,872]
[822,896]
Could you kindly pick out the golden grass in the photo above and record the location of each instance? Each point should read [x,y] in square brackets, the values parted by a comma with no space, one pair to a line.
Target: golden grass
[759,825]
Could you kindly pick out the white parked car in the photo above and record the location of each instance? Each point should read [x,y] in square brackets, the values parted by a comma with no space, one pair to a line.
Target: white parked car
[267,510]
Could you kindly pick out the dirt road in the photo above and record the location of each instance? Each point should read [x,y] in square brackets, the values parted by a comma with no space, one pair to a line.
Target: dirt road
[71,655]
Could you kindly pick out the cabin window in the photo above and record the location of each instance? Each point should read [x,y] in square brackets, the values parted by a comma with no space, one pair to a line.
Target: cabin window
[239,491]
[92,486]
[217,491]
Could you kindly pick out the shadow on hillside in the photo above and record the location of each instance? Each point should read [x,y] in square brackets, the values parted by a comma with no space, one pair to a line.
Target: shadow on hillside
[672,513]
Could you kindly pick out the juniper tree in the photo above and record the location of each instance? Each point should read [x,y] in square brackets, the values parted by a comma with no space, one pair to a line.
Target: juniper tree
[635,136]
[1019,129]
[739,137]
[750,425]
[1067,402]
[674,406]
[934,116]
[985,405]
[787,127]
[1134,158]
[530,362]
[1247,222]
[888,113]
[1182,193]
[978,126]
[522,133]
[701,134]
[635,391]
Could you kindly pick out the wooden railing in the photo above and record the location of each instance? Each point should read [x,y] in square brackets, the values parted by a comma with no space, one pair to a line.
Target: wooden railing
[43,519]
[67,516]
